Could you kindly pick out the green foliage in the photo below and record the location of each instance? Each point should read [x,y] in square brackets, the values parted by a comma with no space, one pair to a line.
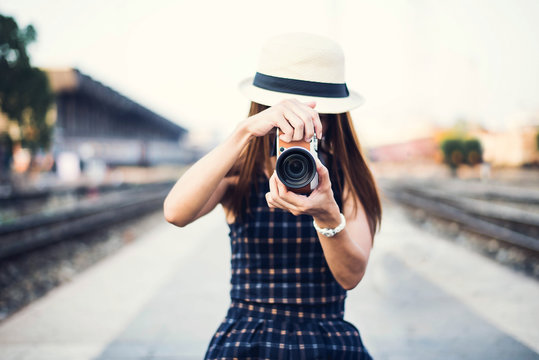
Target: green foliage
[459,151]
[453,150]
[25,95]
[473,153]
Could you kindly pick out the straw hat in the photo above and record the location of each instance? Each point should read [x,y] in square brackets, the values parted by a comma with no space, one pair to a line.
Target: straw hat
[302,66]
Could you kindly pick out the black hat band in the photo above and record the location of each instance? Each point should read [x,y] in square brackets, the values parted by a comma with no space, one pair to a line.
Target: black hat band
[300,87]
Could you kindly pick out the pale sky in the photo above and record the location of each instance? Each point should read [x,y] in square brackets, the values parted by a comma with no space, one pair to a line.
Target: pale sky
[415,61]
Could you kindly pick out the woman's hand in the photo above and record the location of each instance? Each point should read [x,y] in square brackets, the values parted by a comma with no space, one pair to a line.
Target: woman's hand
[295,120]
[348,252]
[320,203]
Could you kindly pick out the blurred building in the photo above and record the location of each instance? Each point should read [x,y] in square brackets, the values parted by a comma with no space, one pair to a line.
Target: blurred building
[514,147]
[414,142]
[94,121]
[423,149]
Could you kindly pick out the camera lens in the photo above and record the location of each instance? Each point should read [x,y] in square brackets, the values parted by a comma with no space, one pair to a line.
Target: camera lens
[296,167]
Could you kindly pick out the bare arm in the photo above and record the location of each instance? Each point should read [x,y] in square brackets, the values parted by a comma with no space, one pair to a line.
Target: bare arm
[202,187]
[347,253]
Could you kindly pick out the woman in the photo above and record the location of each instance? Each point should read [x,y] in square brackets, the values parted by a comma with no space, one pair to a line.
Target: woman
[293,256]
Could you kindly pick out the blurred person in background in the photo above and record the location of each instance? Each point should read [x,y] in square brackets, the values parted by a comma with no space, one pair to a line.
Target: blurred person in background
[293,256]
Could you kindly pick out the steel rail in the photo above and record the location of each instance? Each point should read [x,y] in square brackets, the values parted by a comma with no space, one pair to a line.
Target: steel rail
[467,217]
[34,231]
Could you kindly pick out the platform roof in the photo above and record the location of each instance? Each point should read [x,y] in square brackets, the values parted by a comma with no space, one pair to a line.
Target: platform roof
[71,80]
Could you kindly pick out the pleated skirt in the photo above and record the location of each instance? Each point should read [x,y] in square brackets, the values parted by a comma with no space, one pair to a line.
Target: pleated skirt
[282,331]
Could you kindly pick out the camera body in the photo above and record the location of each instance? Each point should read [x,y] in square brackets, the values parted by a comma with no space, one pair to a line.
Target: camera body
[296,164]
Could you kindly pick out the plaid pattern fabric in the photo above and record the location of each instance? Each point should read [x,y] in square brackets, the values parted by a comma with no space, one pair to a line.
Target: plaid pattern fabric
[285,303]
[259,331]
[277,257]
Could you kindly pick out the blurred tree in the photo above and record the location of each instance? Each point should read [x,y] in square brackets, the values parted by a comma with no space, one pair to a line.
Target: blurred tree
[25,95]
[459,151]
[473,153]
[453,150]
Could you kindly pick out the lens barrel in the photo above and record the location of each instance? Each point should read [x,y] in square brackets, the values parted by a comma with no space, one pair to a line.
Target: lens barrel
[296,167]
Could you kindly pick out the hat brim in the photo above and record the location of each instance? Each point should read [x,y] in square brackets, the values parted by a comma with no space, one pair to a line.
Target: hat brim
[324,105]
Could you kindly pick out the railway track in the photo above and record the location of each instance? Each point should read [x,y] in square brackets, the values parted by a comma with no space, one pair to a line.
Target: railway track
[507,214]
[30,232]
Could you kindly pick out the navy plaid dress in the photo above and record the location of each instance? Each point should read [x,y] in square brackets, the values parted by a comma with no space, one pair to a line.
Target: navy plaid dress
[285,303]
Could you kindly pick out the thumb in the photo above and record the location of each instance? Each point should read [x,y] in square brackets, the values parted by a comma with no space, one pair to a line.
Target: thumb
[323,174]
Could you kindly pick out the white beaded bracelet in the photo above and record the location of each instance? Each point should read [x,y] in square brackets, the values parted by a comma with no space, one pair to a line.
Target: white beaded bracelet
[331,232]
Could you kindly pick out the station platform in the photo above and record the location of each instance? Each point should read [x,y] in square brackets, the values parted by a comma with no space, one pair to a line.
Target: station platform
[164,295]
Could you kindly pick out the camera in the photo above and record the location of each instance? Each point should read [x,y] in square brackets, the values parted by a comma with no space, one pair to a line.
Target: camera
[296,164]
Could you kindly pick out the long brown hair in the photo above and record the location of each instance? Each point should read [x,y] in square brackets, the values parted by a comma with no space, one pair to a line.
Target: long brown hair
[340,141]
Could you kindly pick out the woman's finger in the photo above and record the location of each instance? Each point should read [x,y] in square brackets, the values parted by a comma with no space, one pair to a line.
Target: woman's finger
[316,119]
[287,131]
[270,201]
[297,123]
[317,123]
[285,198]
[274,202]
[280,186]
[324,181]
[274,190]
[306,114]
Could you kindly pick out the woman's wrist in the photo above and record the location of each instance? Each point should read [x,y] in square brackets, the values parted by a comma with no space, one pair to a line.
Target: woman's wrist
[329,218]
[330,232]
[243,132]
